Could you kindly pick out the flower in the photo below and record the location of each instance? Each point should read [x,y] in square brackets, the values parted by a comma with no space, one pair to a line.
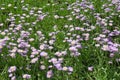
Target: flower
[73,49]
[41,17]
[90,68]
[112,55]
[10,75]
[12,55]
[12,69]
[115,1]
[13,78]
[44,54]
[51,42]
[42,47]
[56,16]
[34,60]
[91,7]
[42,67]
[49,74]
[73,42]
[58,66]
[70,69]
[105,48]
[26,76]
[58,54]
[64,68]
[107,9]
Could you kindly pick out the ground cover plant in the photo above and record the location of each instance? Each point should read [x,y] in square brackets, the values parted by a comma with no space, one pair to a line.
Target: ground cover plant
[59,40]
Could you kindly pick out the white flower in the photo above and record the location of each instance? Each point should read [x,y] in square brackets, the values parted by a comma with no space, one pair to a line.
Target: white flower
[56,16]
[105,48]
[51,42]
[64,68]
[9,5]
[90,68]
[31,39]
[1,24]
[73,42]
[42,67]
[12,55]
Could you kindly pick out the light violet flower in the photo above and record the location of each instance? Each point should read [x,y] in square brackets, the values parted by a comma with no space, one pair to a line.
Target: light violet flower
[34,60]
[42,47]
[58,66]
[58,54]
[26,76]
[112,55]
[73,49]
[10,75]
[41,17]
[53,60]
[91,7]
[44,54]
[115,1]
[12,69]
[49,74]
[70,69]
[13,78]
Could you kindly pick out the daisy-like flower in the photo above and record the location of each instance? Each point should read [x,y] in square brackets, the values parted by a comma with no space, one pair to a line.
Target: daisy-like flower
[91,7]
[112,55]
[44,54]
[73,42]
[64,68]
[70,69]
[42,47]
[56,16]
[42,67]
[51,42]
[58,54]
[12,55]
[34,60]
[31,39]
[13,78]
[1,46]
[1,24]
[73,49]
[115,1]
[49,74]
[12,69]
[58,66]
[105,48]
[90,68]
[41,17]
[10,75]
[9,5]
[26,76]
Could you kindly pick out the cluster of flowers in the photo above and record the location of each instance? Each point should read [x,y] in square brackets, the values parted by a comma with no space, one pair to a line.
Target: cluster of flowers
[31,43]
